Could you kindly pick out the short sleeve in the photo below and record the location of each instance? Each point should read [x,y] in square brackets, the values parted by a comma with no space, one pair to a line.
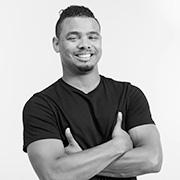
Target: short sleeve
[138,111]
[38,121]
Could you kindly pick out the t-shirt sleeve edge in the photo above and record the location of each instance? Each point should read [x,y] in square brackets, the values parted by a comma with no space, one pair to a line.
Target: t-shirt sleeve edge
[41,138]
[141,124]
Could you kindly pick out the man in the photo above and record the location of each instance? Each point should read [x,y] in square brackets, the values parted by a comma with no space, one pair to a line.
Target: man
[86,126]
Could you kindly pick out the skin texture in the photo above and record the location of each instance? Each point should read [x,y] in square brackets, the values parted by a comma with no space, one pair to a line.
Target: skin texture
[126,154]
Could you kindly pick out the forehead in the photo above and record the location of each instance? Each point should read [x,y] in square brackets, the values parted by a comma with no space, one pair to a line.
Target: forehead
[80,24]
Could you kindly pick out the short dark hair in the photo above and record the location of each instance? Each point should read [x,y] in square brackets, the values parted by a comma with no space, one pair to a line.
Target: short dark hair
[73,11]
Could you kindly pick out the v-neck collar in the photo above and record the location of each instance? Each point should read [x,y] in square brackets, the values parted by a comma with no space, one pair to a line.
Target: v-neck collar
[80,91]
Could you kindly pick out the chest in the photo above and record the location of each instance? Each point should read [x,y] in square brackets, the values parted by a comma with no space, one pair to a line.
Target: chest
[91,120]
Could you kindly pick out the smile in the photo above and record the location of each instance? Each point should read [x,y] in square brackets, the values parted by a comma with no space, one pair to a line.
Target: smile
[84,57]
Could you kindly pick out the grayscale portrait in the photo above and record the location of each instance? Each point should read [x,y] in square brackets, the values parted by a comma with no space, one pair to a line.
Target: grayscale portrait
[89,87]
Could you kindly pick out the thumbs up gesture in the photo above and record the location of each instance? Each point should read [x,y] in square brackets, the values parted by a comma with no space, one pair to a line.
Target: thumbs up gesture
[122,138]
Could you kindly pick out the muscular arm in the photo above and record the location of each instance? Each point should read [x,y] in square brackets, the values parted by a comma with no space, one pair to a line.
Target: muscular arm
[145,157]
[51,162]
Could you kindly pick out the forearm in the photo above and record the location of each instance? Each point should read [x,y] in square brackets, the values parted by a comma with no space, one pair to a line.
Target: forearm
[138,161]
[87,163]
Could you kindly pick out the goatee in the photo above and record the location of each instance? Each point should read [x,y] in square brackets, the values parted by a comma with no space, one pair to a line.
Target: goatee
[84,69]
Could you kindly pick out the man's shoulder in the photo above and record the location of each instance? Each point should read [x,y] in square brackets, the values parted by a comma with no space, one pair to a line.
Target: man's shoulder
[115,82]
[51,89]
[125,86]
[49,93]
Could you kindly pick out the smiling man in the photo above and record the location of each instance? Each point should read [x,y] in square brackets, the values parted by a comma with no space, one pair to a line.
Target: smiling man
[79,44]
[87,126]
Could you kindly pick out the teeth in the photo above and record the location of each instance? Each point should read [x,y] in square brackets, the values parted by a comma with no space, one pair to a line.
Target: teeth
[84,57]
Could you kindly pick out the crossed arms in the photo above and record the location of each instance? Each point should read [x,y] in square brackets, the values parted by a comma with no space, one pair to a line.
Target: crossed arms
[125,155]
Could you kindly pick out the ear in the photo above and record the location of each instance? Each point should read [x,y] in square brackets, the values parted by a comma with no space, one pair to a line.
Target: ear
[55,42]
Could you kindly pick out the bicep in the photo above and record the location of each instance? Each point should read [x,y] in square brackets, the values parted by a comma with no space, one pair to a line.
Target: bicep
[43,154]
[145,135]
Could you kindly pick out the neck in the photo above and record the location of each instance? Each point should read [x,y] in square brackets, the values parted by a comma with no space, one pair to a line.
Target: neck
[85,82]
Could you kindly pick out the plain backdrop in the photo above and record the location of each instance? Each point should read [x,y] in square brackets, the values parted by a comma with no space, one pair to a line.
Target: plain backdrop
[141,44]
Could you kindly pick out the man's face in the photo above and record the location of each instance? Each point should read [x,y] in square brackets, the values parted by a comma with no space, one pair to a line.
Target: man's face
[80,44]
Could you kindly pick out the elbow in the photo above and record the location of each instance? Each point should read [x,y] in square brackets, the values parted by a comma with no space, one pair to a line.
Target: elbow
[155,163]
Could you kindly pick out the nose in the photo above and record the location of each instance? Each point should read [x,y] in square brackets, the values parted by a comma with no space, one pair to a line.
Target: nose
[84,44]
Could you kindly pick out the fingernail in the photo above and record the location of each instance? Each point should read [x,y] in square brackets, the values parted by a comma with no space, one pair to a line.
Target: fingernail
[120,113]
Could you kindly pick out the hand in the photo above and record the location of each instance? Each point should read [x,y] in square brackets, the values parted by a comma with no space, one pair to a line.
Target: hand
[73,146]
[121,137]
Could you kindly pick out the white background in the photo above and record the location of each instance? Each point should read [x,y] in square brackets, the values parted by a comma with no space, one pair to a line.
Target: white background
[141,44]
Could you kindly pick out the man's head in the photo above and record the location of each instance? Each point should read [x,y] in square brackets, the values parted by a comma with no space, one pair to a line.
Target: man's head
[73,11]
[78,40]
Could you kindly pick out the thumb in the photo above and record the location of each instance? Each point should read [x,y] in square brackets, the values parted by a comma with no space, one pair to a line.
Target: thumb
[69,136]
[119,118]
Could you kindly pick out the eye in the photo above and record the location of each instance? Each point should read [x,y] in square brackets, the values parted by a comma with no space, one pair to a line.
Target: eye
[93,37]
[72,38]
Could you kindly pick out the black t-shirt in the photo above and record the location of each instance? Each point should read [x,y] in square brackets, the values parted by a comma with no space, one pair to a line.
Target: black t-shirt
[91,117]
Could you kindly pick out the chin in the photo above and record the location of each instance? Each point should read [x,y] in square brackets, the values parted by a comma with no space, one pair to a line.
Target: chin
[85,69]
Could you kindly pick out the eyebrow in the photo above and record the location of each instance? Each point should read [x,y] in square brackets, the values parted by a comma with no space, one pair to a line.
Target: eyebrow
[72,33]
[94,32]
[78,33]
